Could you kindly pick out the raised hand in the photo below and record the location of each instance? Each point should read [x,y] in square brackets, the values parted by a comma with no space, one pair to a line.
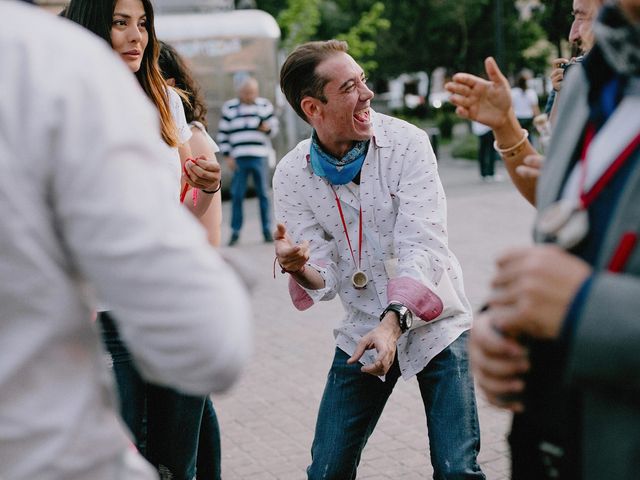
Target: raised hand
[557,74]
[292,257]
[485,101]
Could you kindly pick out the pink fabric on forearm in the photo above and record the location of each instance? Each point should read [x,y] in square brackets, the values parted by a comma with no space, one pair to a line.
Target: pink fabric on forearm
[417,297]
[300,298]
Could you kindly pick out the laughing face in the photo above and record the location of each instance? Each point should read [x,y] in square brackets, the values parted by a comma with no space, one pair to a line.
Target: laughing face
[345,117]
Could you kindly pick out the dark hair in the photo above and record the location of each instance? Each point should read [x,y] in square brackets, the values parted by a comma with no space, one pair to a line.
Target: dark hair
[172,66]
[521,81]
[97,16]
[298,76]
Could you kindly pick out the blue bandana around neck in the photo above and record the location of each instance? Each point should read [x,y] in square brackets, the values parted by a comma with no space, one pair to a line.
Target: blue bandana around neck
[337,171]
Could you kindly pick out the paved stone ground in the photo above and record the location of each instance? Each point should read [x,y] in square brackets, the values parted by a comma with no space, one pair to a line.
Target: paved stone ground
[267,420]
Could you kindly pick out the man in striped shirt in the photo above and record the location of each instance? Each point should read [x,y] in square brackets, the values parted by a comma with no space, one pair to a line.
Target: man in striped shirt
[244,131]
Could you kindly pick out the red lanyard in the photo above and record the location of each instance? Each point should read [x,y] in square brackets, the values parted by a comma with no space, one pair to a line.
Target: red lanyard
[346,233]
[587,198]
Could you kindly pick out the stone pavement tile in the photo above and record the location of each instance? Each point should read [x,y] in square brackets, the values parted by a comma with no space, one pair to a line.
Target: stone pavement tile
[292,475]
[246,471]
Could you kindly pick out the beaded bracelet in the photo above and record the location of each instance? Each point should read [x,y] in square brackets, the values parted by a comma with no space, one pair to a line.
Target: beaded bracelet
[515,149]
[211,192]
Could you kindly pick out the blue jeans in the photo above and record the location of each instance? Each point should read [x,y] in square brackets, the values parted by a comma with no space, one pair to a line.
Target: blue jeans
[173,431]
[353,402]
[257,168]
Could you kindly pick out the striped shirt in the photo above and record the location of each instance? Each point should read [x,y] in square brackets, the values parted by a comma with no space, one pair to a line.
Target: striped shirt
[238,134]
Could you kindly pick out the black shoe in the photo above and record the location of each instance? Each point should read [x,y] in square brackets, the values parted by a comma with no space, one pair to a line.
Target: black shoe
[234,239]
[268,238]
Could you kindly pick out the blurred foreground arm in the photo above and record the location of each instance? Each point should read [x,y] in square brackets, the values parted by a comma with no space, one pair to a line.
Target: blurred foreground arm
[181,310]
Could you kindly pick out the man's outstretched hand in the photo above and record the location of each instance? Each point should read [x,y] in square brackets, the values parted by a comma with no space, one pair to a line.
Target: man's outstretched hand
[292,257]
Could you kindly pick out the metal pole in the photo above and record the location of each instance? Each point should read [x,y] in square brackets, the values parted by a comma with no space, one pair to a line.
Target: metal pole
[499,34]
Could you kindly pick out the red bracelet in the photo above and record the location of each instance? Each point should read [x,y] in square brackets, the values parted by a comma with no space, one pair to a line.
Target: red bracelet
[284,270]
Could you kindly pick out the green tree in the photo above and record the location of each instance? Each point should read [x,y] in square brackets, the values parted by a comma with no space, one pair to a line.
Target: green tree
[424,34]
[299,22]
[555,19]
[362,36]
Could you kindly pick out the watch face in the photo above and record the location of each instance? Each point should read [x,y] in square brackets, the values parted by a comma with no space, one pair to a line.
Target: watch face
[408,319]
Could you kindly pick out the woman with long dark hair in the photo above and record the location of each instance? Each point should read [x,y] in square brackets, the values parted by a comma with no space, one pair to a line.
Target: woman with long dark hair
[165,423]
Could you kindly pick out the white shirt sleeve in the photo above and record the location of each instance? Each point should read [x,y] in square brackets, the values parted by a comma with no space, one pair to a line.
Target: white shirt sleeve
[177,111]
[180,309]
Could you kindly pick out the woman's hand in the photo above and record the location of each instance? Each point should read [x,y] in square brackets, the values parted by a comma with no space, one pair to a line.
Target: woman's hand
[485,101]
[202,173]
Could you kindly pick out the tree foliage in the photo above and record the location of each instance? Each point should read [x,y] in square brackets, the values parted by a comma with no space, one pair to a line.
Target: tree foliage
[399,36]
[363,35]
[555,19]
[299,22]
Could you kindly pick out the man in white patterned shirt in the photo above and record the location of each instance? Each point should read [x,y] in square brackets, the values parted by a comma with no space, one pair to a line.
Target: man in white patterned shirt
[363,216]
[247,124]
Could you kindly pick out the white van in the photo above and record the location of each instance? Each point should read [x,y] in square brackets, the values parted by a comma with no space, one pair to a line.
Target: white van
[222,46]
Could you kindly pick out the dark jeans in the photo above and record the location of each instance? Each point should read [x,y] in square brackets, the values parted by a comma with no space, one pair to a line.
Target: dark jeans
[487,155]
[257,168]
[170,429]
[353,402]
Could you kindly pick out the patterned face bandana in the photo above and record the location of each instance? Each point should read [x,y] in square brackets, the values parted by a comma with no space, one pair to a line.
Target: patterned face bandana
[619,40]
[337,171]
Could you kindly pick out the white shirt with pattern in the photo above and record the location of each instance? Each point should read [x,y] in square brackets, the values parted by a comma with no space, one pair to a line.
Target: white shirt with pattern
[87,209]
[404,218]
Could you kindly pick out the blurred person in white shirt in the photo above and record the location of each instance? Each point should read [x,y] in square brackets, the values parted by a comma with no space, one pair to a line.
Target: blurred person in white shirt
[82,176]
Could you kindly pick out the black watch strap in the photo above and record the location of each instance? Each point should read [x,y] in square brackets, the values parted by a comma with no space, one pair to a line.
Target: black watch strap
[404,315]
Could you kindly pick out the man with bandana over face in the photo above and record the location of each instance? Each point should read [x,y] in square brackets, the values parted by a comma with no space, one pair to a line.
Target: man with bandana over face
[559,342]
[362,215]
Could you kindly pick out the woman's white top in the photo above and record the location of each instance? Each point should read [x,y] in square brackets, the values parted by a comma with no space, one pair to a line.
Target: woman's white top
[184,132]
[523,102]
[212,143]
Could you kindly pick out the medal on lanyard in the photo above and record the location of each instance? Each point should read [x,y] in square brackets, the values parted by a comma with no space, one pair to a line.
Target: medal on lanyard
[359,279]
[566,222]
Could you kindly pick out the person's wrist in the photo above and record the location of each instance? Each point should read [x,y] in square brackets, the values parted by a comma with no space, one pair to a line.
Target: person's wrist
[215,190]
[391,321]
[510,132]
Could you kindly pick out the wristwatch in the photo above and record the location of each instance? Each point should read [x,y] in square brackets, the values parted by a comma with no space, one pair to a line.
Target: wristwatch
[405,317]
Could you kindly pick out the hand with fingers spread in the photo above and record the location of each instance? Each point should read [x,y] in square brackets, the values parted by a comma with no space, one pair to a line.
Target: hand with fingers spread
[383,338]
[291,257]
[533,288]
[485,101]
[532,164]
[498,363]
[202,173]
